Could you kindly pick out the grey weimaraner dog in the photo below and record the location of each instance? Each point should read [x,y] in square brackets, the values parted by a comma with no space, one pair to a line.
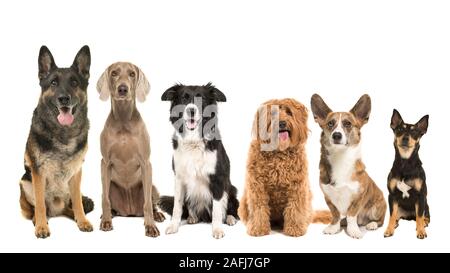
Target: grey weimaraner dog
[125,147]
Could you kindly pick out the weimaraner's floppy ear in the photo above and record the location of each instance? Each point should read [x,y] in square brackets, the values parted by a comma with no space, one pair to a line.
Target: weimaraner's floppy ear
[142,86]
[103,86]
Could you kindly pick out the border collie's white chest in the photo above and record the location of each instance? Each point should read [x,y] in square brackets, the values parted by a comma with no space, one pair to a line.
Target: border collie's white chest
[193,161]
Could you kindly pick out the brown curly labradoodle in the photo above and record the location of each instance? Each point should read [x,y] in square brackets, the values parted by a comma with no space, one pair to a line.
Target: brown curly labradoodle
[277,187]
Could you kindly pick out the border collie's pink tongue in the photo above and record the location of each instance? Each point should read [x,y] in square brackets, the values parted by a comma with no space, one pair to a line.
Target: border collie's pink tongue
[191,124]
[283,135]
[65,118]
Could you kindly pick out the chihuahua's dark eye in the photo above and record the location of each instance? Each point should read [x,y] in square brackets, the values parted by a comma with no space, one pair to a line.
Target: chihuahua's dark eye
[54,83]
[331,124]
[74,83]
[114,73]
[132,74]
[288,112]
[347,124]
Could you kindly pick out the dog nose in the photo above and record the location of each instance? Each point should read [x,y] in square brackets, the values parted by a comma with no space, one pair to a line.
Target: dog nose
[405,141]
[337,136]
[123,89]
[191,112]
[64,100]
[282,125]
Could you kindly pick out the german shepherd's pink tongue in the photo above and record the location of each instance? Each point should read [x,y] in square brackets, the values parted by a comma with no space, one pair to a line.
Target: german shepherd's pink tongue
[65,116]
[283,135]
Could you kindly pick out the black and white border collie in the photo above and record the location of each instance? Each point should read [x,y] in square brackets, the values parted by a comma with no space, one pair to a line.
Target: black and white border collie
[203,191]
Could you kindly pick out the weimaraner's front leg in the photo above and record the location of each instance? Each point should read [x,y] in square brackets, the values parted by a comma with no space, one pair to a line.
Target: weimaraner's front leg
[106,222]
[150,228]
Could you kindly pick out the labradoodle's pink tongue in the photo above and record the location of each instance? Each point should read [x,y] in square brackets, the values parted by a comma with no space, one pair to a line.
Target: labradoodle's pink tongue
[65,118]
[283,135]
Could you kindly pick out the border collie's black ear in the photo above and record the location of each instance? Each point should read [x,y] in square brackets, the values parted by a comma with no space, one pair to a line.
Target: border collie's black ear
[170,94]
[396,119]
[362,109]
[46,62]
[422,125]
[82,62]
[319,109]
[216,93]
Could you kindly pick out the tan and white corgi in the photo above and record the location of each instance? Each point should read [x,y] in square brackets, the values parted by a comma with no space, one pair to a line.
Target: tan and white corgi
[349,192]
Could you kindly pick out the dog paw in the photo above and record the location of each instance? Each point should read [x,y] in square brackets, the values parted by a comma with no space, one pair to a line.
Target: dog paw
[354,232]
[106,226]
[421,234]
[372,226]
[192,220]
[294,231]
[218,233]
[258,231]
[231,221]
[172,229]
[389,232]
[159,216]
[42,231]
[332,229]
[85,226]
[151,231]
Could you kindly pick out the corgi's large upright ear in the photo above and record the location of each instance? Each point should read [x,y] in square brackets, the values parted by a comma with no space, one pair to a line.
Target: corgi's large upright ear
[362,109]
[319,109]
[396,119]
[142,86]
[46,62]
[422,125]
[82,62]
[103,85]
[171,93]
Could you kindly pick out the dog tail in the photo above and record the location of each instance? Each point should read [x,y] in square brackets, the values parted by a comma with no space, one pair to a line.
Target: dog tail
[322,216]
[165,203]
[88,204]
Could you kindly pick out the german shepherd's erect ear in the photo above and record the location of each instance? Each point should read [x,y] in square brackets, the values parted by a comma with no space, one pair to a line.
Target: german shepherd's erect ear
[46,62]
[82,62]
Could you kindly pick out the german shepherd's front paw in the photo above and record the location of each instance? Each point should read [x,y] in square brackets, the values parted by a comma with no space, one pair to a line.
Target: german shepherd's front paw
[85,226]
[42,231]
[389,232]
[106,225]
[151,231]
[159,216]
[421,234]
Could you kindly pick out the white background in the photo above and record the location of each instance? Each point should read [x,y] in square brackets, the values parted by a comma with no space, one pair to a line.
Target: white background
[397,51]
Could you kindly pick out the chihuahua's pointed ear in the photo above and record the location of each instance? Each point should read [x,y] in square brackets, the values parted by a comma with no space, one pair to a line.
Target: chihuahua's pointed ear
[396,119]
[142,87]
[171,93]
[46,62]
[422,125]
[362,109]
[82,62]
[216,93]
[103,85]
[319,109]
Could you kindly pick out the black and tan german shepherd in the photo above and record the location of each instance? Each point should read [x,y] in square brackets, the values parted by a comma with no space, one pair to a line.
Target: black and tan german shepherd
[406,181]
[57,144]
